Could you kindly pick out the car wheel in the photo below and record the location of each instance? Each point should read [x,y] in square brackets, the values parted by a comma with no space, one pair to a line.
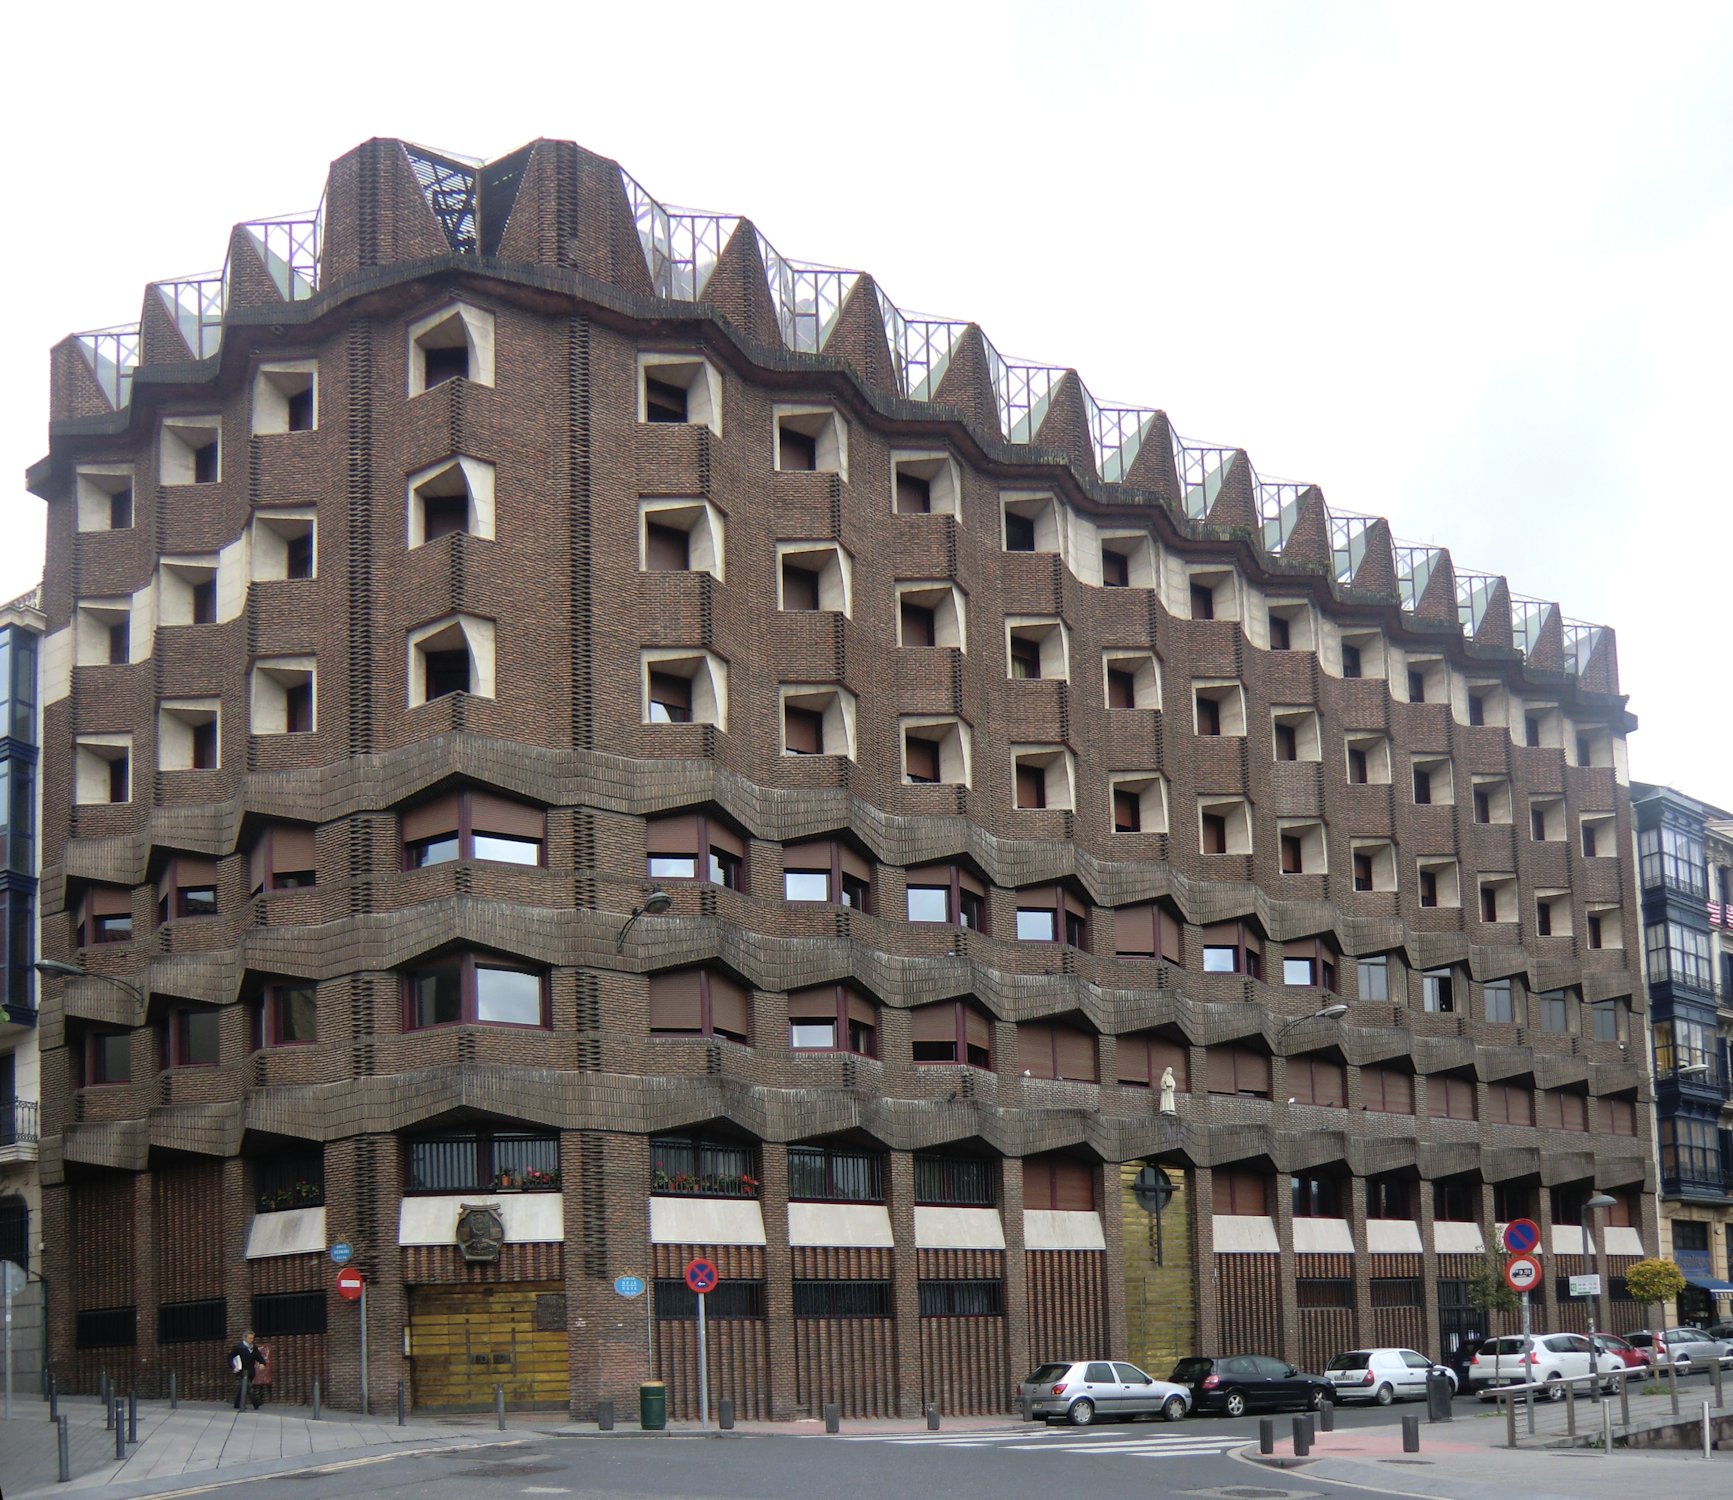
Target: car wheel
[1082,1412]
[1384,1395]
[1315,1399]
[1173,1408]
[1234,1403]
[1555,1387]
[1615,1383]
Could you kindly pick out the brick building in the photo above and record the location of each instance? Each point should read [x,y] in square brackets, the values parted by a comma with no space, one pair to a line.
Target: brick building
[553,705]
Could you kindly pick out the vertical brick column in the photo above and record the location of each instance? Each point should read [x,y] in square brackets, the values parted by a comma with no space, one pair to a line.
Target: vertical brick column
[1286,1263]
[1111,1194]
[1018,1348]
[145,1289]
[905,1282]
[237,1219]
[1362,1261]
[778,1279]
[1203,1252]
[1428,1218]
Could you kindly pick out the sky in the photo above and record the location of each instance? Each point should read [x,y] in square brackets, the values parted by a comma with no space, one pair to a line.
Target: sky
[1466,267]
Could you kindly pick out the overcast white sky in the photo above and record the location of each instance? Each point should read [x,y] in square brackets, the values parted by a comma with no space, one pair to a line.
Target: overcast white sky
[1469,267]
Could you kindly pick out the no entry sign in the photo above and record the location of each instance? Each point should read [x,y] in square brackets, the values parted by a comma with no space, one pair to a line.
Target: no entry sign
[350,1284]
[1521,1236]
[1523,1274]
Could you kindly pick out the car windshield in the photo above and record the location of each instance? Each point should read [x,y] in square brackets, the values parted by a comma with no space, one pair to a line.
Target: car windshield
[1638,1340]
[1188,1371]
[1358,1360]
[1046,1373]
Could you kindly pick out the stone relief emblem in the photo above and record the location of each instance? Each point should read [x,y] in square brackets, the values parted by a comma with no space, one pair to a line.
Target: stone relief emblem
[480,1231]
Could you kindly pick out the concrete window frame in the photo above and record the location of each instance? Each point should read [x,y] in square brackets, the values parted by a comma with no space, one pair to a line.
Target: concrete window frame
[702,523]
[456,325]
[707,672]
[188,731]
[96,758]
[948,606]
[454,478]
[832,567]
[954,742]
[278,534]
[836,708]
[935,470]
[470,633]
[190,450]
[819,427]
[1144,670]
[687,372]
[286,397]
[1149,788]
[105,496]
[273,684]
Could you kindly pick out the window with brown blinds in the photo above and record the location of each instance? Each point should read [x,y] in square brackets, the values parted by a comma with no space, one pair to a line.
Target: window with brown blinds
[1508,1104]
[1317,1080]
[1566,1110]
[1058,1182]
[1049,1050]
[282,858]
[1617,1116]
[1387,1091]
[1234,1070]
[1240,1191]
[699,1002]
[949,1032]
[1141,1058]
[1147,930]
[1450,1098]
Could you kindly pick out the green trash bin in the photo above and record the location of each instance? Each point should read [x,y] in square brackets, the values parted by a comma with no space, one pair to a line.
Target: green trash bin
[653,1406]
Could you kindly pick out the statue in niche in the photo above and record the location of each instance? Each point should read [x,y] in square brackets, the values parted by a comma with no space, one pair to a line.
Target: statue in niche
[1167,1088]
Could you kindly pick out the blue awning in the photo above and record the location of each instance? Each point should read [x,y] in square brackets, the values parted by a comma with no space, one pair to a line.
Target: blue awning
[1712,1284]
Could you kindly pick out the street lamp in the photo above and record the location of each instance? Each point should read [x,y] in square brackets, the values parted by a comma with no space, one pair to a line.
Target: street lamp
[60,969]
[1598,1304]
[653,905]
[1328,1013]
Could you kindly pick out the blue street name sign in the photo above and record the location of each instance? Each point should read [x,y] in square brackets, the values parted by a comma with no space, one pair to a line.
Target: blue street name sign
[342,1254]
[629,1286]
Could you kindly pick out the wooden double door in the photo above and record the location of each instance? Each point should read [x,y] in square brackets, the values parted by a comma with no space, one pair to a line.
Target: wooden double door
[465,1340]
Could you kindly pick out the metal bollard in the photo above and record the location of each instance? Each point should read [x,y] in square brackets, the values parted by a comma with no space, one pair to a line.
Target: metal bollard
[932,1416]
[107,1415]
[1715,1375]
[1708,1433]
[53,1402]
[102,1388]
[1302,1437]
[498,1404]
[1509,1421]
[1571,1407]
[1411,1434]
[402,1414]
[119,1430]
[1327,1417]
[725,1413]
[1266,1435]
[832,1417]
[132,1416]
[604,1416]
[315,1398]
[174,1393]
[1625,1403]
[1673,1381]
[60,1440]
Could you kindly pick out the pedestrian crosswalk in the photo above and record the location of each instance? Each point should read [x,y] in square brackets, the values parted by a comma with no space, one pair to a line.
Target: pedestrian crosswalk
[1178,1444]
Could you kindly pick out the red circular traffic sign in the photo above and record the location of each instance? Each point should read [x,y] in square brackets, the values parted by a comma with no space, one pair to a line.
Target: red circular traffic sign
[1522,1273]
[349,1284]
[701,1276]
[1521,1236]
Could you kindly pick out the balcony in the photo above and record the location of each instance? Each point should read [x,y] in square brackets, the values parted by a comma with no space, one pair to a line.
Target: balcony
[16,1013]
[1700,1173]
[18,1130]
[1703,1078]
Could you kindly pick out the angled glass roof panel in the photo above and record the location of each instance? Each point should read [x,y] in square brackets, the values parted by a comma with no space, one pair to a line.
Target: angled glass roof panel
[1414,567]
[1581,640]
[1473,593]
[196,304]
[1527,620]
[696,241]
[808,298]
[655,236]
[1024,392]
[1278,511]
[1118,432]
[1202,468]
[289,247]
[923,348]
[448,183]
[1348,545]
[112,354]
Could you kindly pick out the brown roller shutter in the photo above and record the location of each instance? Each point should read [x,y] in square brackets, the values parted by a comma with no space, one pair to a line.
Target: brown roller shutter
[1222,935]
[675,1001]
[491,814]
[1398,1091]
[1038,898]
[293,848]
[1074,1054]
[816,1003]
[258,863]
[928,875]
[862,1009]
[672,835]
[1134,930]
[1037,1184]
[934,1023]
[1221,1071]
[854,864]
[431,819]
[1240,1192]
[1461,1093]
[1073,1185]
[814,854]
[1035,1048]
[1329,1084]
[1163,1055]
[1221,1192]
[969,883]
[192,871]
[1073,905]
[108,901]
[1171,937]
[731,1007]
[978,1030]
[1133,1062]
[1619,1215]
[1253,1071]
[726,839]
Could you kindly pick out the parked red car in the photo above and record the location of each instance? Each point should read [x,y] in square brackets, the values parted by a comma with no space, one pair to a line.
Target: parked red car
[1614,1348]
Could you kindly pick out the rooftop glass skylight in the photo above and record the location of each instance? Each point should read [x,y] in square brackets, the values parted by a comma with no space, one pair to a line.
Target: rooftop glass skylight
[1118,433]
[1348,535]
[1414,567]
[1581,642]
[1202,468]
[1278,511]
[1473,594]
[112,354]
[289,247]
[196,305]
[808,298]
[448,183]
[1527,620]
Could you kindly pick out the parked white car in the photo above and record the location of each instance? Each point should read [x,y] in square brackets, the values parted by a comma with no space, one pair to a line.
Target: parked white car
[1550,1357]
[1384,1375]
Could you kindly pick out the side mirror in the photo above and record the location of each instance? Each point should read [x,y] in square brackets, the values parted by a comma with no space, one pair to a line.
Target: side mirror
[1292,1371]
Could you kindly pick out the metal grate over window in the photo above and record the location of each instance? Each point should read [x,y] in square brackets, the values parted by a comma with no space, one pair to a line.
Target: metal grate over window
[962,1299]
[188,1322]
[842,1299]
[732,1300]
[277,1314]
[106,1328]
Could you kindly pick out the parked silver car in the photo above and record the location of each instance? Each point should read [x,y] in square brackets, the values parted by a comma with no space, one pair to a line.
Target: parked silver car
[1090,1389]
[1384,1375]
[1686,1347]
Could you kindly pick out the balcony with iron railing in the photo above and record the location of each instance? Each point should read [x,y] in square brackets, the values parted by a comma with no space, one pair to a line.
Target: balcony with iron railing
[1696,1172]
[19,1130]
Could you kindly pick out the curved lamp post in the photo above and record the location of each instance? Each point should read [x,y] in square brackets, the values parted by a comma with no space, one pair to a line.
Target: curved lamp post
[653,905]
[1328,1013]
[1598,1305]
[60,969]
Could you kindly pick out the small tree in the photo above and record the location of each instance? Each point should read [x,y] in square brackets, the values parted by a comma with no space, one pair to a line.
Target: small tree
[1487,1288]
[1653,1282]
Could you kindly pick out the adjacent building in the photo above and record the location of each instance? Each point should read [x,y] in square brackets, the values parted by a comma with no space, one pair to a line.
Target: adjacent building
[580,744]
[1685,866]
[20,1199]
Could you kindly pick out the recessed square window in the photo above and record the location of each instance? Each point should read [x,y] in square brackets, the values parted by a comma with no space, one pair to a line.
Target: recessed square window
[453,343]
[453,655]
[936,750]
[452,497]
[1139,802]
[1605,926]
[1539,728]
[1434,781]
[285,398]
[1485,704]
[1219,708]
[1128,560]
[1546,819]
[189,450]
[1492,801]
[1212,594]
[812,439]
[1498,898]
[1428,680]
[1368,759]
[102,634]
[930,614]
[1590,747]
[1361,653]
[1296,734]
[102,769]
[282,695]
[193,1037]
[1599,835]
[1044,777]
[1032,523]
[1303,846]
[681,685]
[104,493]
[188,734]
[813,576]
[1438,883]
[817,720]
[1374,864]
[680,536]
[1291,625]
[283,547]
[676,389]
[1224,825]
[925,484]
[1036,647]
[1131,679]
[187,591]
[1552,914]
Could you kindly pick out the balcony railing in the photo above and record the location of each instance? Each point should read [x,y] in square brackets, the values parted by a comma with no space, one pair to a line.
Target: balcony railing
[18,1122]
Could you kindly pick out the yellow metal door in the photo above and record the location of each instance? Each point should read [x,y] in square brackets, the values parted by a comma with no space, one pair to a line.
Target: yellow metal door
[465,1340]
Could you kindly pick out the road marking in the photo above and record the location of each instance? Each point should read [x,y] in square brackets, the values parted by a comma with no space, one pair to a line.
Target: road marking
[1167,1445]
[330,1468]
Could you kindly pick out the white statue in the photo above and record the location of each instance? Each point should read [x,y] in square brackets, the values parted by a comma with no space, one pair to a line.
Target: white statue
[1167,1087]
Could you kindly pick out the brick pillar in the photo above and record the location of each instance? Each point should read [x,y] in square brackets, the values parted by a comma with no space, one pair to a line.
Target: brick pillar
[778,1281]
[1429,1270]
[1203,1251]
[145,1291]
[1362,1261]
[1112,1195]
[905,1283]
[1019,1352]
[237,1280]
[1287,1269]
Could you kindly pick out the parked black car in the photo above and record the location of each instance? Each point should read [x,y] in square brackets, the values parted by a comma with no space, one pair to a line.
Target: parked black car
[1248,1382]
